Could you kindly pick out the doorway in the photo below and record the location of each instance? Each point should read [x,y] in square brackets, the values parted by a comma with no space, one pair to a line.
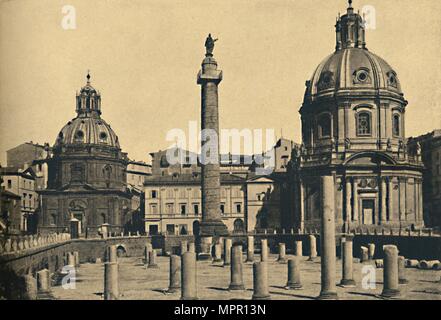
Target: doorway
[196,228]
[368,211]
[79,215]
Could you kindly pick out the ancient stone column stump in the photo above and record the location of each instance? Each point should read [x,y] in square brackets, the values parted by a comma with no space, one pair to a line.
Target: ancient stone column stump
[260,281]
[294,282]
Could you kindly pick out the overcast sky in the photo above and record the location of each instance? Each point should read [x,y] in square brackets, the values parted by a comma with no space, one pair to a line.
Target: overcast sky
[144,56]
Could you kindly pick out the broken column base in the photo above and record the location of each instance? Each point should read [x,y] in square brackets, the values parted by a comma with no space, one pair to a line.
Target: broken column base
[204,244]
[236,287]
[203,256]
[327,295]
[293,286]
[391,294]
[173,289]
[347,283]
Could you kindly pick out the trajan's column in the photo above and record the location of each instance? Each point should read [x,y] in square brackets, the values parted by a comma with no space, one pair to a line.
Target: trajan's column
[209,78]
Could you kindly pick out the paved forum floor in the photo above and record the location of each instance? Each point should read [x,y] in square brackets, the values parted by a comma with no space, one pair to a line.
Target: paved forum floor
[137,282]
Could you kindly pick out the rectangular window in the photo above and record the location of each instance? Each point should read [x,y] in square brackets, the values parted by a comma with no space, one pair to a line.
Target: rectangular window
[238,208]
[153,209]
[222,208]
[154,194]
[153,229]
[169,208]
[183,209]
[396,125]
[9,184]
[324,126]
[170,229]
[196,209]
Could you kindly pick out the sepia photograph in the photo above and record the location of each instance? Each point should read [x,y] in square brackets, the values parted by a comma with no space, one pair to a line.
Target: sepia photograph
[215,157]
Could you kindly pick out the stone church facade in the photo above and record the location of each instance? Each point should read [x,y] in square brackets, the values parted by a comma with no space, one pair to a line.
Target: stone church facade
[87,175]
[353,129]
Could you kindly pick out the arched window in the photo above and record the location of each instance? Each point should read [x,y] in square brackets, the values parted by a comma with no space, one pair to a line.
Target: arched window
[239,226]
[364,124]
[396,125]
[324,126]
[164,162]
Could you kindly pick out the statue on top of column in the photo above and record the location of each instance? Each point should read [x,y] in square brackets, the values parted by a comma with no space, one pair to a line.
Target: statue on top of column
[209,45]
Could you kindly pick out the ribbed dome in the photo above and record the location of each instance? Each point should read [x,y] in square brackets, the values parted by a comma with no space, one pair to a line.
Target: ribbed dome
[352,69]
[87,130]
[87,127]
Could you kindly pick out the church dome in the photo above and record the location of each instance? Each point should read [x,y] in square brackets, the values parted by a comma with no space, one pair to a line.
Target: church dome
[88,127]
[352,69]
[87,130]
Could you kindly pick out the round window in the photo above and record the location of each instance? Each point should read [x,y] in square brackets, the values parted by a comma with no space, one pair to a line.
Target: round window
[103,136]
[362,76]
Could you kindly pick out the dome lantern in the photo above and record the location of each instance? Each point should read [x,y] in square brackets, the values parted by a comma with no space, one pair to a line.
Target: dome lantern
[88,100]
[350,30]
[352,67]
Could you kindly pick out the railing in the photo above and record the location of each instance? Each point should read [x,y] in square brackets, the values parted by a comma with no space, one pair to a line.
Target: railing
[23,243]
